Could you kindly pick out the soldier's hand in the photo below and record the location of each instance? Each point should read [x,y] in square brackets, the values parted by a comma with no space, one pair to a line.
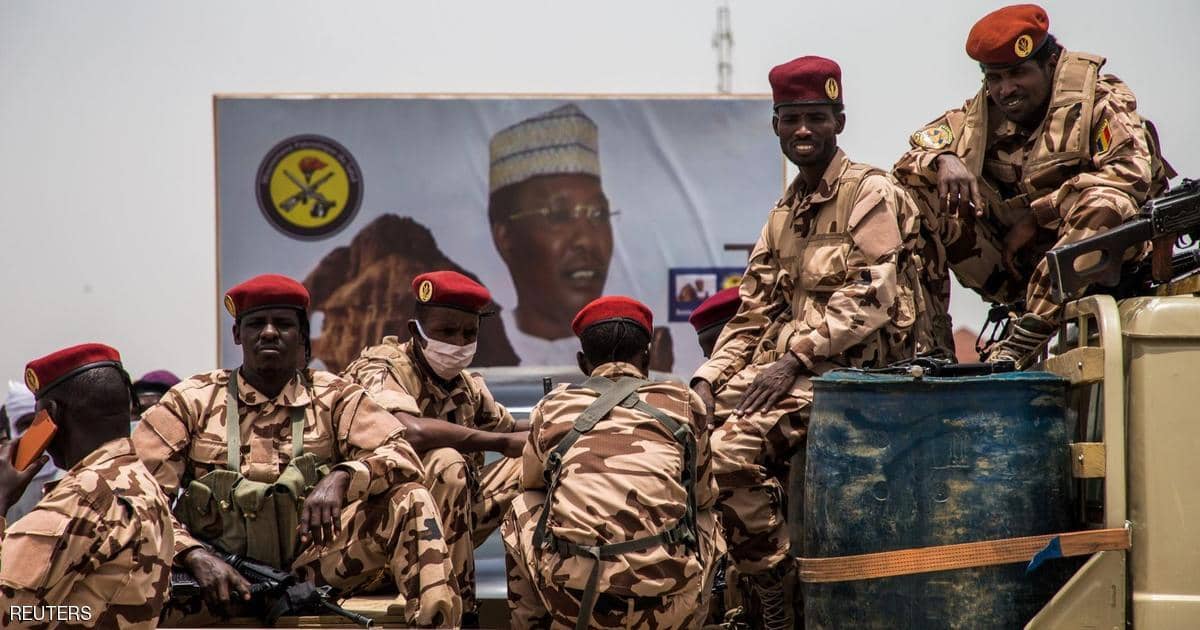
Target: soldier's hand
[958,189]
[321,517]
[218,581]
[703,389]
[514,443]
[12,481]
[770,385]
[1019,236]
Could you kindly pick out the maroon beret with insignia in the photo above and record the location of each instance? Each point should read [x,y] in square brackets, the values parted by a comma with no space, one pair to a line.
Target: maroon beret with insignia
[1008,36]
[613,307]
[806,81]
[43,374]
[452,289]
[266,291]
[716,310]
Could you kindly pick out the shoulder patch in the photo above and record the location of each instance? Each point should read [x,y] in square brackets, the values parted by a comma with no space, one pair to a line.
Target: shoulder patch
[936,137]
[1102,139]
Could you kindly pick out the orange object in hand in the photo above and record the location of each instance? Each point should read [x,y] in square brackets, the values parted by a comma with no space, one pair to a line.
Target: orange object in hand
[34,441]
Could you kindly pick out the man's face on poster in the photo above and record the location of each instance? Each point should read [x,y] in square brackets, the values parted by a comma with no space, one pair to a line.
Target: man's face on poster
[557,242]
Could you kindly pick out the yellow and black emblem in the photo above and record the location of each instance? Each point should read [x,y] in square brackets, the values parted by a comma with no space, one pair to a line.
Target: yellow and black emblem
[229,306]
[831,89]
[425,291]
[309,186]
[31,380]
[938,137]
[1023,46]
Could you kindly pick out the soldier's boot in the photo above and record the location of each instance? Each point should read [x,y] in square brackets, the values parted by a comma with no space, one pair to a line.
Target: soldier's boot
[1024,342]
[774,608]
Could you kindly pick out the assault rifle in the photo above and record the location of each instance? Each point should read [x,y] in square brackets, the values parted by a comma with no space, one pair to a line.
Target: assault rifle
[277,592]
[1164,220]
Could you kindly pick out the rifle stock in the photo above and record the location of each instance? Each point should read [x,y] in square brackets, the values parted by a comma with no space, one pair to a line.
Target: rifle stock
[1099,260]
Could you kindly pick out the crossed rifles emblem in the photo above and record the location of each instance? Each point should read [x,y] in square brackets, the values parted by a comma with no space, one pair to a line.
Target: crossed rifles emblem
[308,188]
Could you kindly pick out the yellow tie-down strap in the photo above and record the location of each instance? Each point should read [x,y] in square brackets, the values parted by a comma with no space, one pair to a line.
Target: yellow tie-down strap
[1031,549]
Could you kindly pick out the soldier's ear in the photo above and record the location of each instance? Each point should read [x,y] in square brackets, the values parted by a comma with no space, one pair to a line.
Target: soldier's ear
[775,123]
[237,334]
[840,119]
[585,366]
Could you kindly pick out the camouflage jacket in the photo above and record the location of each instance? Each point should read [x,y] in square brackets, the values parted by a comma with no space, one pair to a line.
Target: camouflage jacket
[400,381]
[183,436]
[100,538]
[1114,147]
[848,286]
[621,481]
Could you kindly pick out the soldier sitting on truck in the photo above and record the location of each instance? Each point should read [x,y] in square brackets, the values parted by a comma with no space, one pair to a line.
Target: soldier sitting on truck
[1048,152]
[450,416]
[100,539]
[614,527]
[294,468]
[832,282]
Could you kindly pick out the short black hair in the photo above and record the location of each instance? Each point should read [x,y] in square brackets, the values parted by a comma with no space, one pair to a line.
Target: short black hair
[103,392]
[613,340]
[1049,48]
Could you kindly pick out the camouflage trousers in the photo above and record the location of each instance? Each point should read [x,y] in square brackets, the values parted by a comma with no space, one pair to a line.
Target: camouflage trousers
[470,505]
[395,534]
[747,452]
[536,604]
[975,246]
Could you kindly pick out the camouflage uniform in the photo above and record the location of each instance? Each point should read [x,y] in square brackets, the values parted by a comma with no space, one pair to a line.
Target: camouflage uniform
[1086,169]
[470,496]
[101,537]
[390,524]
[833,279]
[623,475]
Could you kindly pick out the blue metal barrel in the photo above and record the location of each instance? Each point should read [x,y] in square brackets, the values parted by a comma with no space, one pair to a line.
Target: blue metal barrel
[895,462]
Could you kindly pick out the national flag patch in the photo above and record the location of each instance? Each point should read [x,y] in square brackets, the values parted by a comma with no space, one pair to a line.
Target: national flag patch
[1103,138]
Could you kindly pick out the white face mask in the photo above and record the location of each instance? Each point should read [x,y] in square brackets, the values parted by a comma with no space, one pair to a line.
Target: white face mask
[446,359]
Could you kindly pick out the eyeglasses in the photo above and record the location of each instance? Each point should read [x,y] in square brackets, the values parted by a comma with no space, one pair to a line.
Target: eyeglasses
[560,212]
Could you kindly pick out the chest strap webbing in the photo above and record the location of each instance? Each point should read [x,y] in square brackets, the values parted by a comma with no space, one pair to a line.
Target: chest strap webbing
[622,393]
[233,428]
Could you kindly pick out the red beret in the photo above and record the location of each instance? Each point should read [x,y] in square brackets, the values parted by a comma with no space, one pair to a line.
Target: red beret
[452,289]
[717,309]
[613,307]
[44,373]
[1008,36]
[266,291]
[806,80]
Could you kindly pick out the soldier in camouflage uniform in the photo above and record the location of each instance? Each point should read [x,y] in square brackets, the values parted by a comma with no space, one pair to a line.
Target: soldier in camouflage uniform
[302,470]
[614,527]
[449,415]
[101,538]
[1048,153]
[831,282]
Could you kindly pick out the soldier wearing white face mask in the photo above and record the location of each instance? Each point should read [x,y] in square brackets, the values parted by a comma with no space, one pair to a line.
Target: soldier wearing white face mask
[450,416]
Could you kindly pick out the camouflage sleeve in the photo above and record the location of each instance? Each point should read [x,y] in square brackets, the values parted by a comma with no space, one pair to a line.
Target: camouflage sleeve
[492,416]
[742,333]
[533,459]
[917,168]
[381,383]
[372,445]
[161,441]
[49,550]
[706,484]
[867,300]
[1121,158]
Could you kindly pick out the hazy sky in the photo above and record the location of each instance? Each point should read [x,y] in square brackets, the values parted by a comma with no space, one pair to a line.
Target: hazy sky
[106,115]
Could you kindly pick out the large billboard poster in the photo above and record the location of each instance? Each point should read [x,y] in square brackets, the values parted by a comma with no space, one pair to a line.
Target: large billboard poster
[550,202]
